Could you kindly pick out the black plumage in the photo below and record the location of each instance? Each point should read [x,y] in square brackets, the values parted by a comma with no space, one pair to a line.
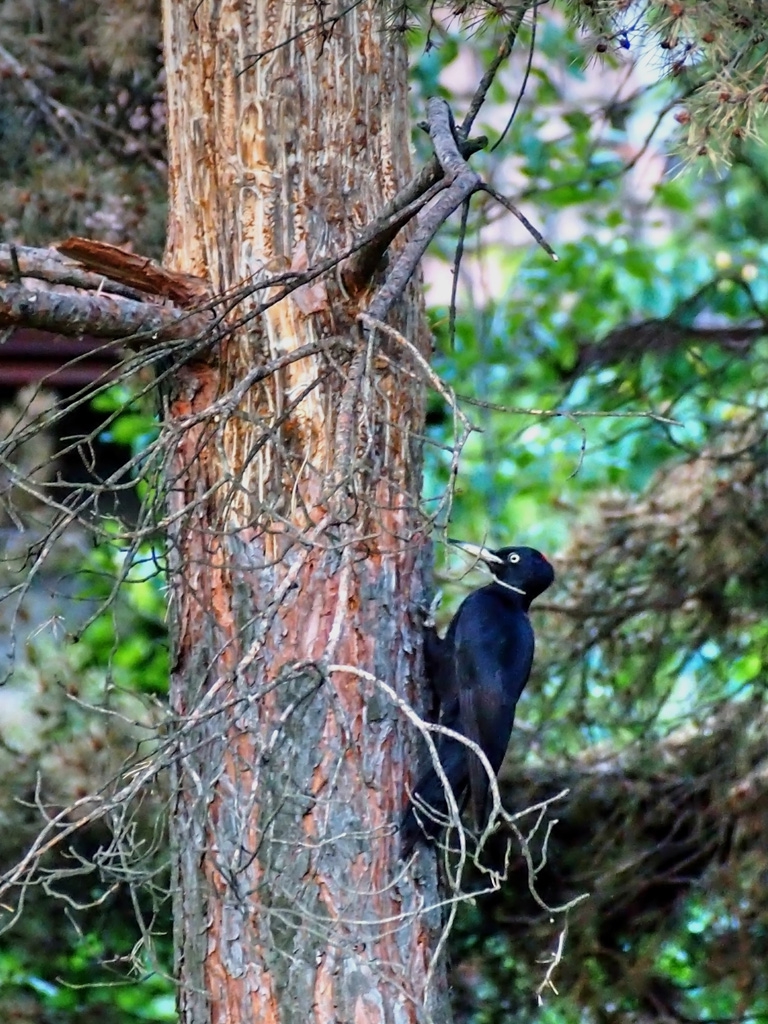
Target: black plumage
[478,672]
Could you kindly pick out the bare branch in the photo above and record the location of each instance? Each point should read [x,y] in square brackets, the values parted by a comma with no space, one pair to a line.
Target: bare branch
[534,232]
[630,341]
[571,414]
[56,114]
[102,316]
[487,80]
[357,270]
[463,182]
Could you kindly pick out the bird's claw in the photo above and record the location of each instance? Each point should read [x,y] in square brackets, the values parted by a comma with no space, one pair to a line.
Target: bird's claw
[431,610]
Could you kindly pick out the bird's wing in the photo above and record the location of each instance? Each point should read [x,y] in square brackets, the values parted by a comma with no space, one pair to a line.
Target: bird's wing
[439,666]
[493,651]
[486,718]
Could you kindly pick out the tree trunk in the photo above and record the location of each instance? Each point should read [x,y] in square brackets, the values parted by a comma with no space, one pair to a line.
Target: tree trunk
[296,540]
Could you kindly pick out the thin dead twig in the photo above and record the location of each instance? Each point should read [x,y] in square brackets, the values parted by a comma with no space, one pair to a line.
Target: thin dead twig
[463,426]
[532,231]
[488,78]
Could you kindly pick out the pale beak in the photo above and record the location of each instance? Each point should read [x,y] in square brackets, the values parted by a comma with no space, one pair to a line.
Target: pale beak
[477,551]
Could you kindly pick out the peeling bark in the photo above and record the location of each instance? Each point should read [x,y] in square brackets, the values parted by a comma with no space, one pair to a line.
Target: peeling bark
[48,265]
[134,271]
[297,541]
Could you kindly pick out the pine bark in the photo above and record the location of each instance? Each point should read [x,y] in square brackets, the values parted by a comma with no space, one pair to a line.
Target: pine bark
[296,542]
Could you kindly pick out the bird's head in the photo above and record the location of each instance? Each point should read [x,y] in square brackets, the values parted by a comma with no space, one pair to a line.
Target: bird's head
[522,570]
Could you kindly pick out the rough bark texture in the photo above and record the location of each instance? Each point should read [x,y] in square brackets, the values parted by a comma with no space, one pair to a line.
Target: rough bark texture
[296,540]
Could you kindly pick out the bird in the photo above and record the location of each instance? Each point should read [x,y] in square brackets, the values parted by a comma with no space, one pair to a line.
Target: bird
[478,671]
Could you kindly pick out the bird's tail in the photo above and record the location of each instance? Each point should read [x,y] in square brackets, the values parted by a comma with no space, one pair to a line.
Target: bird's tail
[427,813]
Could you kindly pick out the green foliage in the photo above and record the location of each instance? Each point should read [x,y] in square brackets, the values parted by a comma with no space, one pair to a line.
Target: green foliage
[123,580]
[76,716]
[127,637]
[75,984]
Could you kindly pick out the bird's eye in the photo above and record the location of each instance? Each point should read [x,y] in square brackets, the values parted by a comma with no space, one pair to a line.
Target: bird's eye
[514,557]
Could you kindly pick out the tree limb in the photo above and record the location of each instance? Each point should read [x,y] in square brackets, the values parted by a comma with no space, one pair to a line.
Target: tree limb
[631,341]
[487,80]
[357,270]
[102,316]
[56,115]
[463,181]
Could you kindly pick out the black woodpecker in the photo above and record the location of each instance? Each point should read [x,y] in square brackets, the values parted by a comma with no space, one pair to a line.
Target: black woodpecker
[478,671]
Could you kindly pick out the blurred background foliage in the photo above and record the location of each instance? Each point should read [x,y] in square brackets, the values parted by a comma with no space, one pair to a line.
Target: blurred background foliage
[619,403]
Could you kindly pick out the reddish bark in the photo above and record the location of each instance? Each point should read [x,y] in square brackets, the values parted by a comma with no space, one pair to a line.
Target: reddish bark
[296,539]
